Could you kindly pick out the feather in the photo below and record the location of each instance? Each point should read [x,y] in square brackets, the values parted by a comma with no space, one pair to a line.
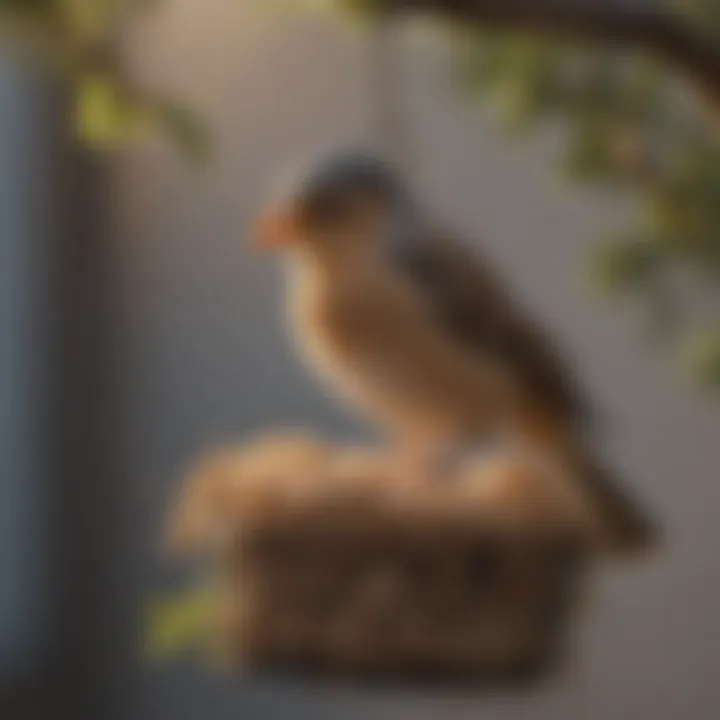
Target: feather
[471,304]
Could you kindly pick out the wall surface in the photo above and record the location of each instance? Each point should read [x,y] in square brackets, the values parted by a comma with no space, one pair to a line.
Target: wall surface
[203,357]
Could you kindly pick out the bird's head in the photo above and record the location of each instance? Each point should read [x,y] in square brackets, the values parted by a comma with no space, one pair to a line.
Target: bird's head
[334,202]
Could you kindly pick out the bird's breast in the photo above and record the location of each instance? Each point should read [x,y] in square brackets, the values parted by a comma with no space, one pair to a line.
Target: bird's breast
[346,333]
[358,337]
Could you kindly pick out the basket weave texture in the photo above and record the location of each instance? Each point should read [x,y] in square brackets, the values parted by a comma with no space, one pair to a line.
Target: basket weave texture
[334,563]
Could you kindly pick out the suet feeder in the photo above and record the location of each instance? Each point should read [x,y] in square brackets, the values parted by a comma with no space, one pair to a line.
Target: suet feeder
[334,564]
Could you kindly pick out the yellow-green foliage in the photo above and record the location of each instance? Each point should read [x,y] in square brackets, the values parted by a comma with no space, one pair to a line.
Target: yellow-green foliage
[633,128]
[75,38]
[178,622]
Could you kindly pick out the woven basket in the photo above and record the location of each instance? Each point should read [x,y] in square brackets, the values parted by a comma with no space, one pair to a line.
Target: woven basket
[335,566]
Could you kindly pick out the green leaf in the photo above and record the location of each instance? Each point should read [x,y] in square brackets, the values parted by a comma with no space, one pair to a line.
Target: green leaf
[105,115]
[108,116]
[178,622]
[483,63]
[588,157]
[29,7]
[185,128]
[625,265]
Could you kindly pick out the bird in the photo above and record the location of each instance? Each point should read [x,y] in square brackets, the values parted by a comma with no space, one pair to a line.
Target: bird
[418,332]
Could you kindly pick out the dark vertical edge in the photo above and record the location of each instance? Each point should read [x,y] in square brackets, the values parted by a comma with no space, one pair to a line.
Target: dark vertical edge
[88,495]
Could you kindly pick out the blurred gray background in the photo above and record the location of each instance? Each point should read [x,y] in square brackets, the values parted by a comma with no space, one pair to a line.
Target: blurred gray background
[197,355]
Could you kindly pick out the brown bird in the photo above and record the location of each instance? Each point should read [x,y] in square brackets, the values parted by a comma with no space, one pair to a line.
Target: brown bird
[418,333]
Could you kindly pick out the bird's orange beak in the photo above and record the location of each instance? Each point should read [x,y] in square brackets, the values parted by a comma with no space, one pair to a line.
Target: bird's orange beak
[276,229]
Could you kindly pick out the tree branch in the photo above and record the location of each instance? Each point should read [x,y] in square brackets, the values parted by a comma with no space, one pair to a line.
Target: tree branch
[642,25]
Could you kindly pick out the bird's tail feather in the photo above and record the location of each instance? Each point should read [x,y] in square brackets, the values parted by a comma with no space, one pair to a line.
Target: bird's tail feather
[622,525]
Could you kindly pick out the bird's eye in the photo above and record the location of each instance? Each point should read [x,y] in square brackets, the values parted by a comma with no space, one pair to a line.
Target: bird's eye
[326,210]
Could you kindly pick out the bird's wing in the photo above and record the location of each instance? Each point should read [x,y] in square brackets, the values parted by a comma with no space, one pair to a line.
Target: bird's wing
[470,303]
[475,310]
